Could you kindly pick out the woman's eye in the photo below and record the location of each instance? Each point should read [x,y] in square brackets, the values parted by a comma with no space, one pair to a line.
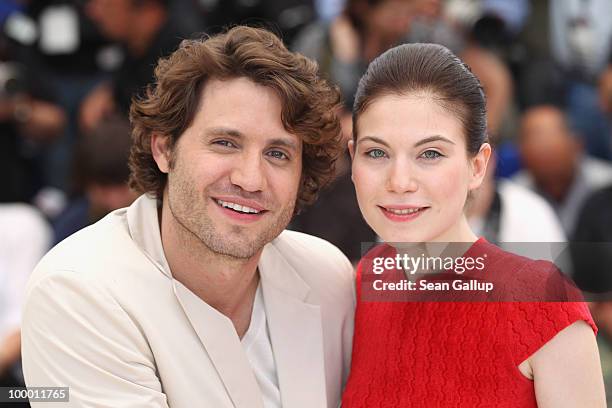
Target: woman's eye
[376,153]
[431,154]
[278,155]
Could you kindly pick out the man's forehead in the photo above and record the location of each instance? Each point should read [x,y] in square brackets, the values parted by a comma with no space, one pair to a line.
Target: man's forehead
[239,107]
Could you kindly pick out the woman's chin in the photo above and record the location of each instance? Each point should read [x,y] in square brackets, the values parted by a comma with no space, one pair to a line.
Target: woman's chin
[395,236]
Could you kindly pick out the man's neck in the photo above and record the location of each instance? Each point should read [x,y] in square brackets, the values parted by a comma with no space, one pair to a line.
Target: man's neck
[145,28]
[227,284]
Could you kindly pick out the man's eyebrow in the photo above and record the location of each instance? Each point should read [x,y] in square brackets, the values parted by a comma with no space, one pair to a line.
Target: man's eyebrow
[289,144]
[373,139]
[434,138]
[223,131]
[277,141]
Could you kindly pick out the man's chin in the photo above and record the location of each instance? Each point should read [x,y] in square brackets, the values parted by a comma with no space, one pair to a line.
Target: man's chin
[243,240]
[237,250]
[237,242]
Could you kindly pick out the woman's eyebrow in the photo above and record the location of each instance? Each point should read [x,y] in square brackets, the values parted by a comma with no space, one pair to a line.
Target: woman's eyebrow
[434,138]
[373,139]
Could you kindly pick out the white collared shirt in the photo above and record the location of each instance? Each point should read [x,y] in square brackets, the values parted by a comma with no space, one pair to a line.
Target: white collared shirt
[258,348]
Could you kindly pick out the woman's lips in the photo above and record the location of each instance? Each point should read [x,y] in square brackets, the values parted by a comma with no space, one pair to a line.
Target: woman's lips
[402,213]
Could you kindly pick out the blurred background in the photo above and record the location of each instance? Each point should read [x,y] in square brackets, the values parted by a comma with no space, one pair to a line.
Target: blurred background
[69,68]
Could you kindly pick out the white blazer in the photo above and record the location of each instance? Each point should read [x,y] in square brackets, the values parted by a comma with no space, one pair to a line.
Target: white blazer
[104,316]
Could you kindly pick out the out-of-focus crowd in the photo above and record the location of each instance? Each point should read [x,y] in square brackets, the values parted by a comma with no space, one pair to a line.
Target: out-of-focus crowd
[69,69]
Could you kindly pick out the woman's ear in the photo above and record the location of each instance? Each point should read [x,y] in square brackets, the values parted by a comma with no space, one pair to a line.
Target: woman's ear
[161,151]
[351,148]
[479,165]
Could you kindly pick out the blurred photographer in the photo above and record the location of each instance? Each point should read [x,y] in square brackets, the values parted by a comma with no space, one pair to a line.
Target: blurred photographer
[28,122]
[147,31]
[35,119]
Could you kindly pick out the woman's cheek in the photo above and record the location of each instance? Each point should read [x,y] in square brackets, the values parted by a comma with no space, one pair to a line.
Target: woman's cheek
[366,181]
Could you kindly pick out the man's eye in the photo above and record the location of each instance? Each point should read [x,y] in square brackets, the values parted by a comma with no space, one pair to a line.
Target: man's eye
[225,143]
[376,153]
[431,154]
[277,154]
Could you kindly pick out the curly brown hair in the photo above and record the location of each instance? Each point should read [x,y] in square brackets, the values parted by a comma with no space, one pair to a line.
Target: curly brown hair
[309,103]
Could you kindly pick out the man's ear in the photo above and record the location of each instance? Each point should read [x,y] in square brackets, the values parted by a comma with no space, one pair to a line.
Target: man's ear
[161,151]
[479,165]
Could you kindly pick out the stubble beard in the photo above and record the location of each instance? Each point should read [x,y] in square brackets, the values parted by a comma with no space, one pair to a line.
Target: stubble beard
[189,211]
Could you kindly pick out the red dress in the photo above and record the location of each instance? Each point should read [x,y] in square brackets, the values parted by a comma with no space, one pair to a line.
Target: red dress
[454,354]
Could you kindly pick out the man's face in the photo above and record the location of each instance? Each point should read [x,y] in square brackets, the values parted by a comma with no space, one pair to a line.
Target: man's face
[391,18]
[548,150]
[235,172]
[113,17]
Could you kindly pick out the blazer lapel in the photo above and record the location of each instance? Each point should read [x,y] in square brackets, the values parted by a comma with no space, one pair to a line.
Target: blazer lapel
[293,316]
[215,331]
[218,335]
[295,332]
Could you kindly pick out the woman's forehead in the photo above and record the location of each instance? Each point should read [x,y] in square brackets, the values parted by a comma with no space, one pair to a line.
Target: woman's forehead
[411,116]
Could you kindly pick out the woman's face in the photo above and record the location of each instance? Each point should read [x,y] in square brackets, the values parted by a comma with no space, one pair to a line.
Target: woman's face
[411,169]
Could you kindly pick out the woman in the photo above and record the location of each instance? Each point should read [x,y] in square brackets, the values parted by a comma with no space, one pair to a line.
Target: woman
[419,150]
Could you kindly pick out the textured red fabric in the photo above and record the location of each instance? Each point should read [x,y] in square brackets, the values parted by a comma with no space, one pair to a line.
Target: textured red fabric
[455,354]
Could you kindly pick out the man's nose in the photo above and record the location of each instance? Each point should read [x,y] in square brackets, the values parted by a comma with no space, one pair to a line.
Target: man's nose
[248,172]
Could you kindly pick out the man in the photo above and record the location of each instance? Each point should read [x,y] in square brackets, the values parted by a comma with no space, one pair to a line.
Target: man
[511,215]
[147,31]
[100,173]
[555,166]
[30,122]
[194,295]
